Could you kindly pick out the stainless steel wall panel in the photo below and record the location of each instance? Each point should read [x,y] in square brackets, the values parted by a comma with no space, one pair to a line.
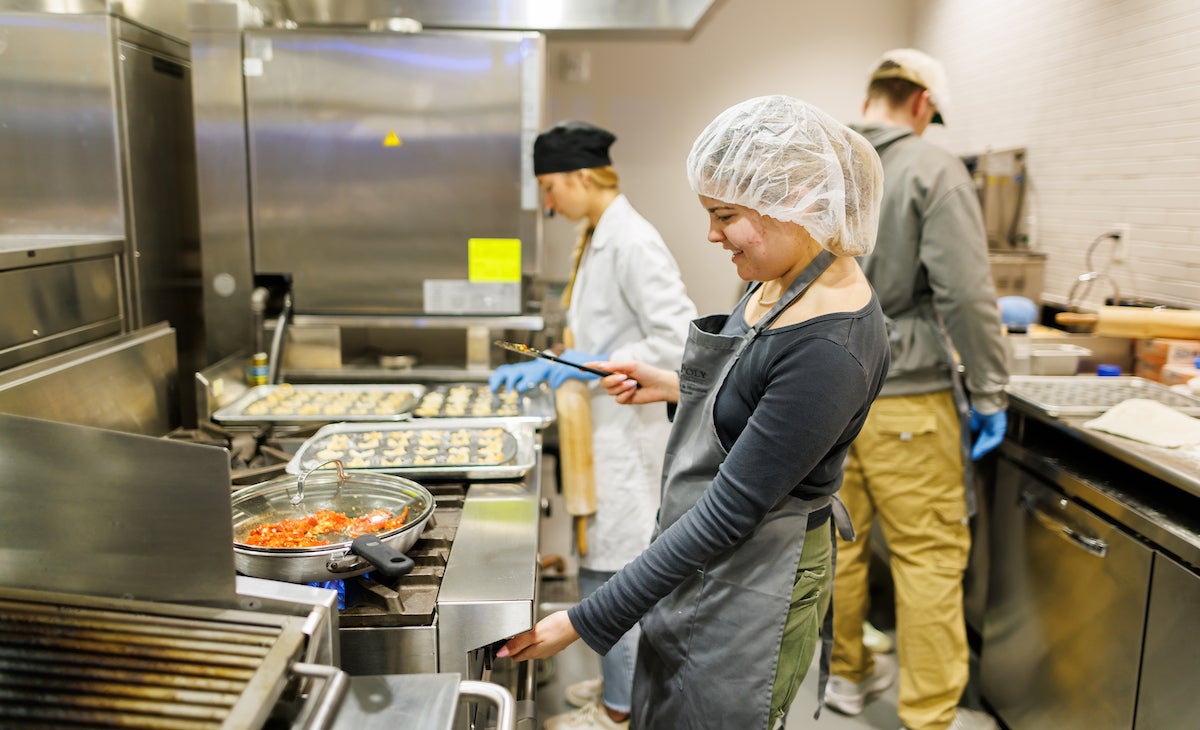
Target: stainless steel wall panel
[56,293]
[58,129]
[164,16]
[160,192]
[50,302]
[222,187]
[660,18]
[125,383]
[90,511]
[389,650]
[360,224]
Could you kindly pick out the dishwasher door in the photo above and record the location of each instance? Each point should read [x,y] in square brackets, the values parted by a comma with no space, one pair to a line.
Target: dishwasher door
[1067,598]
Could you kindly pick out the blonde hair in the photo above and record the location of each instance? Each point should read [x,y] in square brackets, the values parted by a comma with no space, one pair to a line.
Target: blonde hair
[603,177]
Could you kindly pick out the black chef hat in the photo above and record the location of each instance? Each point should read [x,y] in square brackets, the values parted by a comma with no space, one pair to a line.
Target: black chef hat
[571,146]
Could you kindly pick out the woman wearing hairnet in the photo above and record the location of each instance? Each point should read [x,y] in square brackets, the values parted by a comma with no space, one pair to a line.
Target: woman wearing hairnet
[732,592]
[625,300]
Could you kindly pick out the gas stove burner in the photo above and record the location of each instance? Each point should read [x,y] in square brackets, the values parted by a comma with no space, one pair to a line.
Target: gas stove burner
[374,601]
[257,453]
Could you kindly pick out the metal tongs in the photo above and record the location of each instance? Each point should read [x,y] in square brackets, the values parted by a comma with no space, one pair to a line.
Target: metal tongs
[528,351]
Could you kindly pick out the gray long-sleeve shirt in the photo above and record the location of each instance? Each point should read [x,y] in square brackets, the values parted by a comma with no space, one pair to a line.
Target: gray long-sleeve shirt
[787,414]
[931,257]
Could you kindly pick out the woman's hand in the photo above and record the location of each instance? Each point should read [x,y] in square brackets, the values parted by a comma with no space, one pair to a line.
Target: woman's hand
[547,638]
[656,385]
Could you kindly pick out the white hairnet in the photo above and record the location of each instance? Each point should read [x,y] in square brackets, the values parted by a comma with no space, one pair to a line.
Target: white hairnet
[793,162]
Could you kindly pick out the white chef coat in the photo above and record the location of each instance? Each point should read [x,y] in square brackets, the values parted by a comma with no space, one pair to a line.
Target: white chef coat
[628,303]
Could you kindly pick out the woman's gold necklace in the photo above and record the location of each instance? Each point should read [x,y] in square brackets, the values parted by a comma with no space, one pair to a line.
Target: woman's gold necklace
[771,303]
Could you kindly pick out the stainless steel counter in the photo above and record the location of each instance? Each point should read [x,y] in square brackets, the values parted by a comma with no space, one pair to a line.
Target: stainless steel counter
[1092,614]
[1155,497]
[1178,467]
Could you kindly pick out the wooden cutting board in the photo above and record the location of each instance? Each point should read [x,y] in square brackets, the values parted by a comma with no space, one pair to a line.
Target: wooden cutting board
[574,411]
[1137,322]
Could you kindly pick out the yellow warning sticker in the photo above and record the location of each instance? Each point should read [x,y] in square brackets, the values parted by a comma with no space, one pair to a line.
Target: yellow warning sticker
[494,259]
[392,139]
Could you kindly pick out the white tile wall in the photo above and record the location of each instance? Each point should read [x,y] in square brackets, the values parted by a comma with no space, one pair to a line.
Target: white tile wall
[1105,96]
[658,95]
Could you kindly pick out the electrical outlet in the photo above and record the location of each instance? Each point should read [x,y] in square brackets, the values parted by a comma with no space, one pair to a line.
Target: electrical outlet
[1120,245]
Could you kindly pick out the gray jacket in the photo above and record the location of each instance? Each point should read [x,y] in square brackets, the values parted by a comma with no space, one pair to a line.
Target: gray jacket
[930,271]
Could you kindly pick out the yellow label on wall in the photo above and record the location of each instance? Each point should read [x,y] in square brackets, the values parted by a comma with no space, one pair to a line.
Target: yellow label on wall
[392,139]
[494,259]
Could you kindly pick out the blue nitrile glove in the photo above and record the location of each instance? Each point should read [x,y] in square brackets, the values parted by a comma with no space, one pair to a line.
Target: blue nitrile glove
[991,430]
[521,376]
[560,374]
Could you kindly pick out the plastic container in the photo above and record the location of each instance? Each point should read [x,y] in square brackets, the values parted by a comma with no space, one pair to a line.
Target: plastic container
[1056,359]
[1107,370]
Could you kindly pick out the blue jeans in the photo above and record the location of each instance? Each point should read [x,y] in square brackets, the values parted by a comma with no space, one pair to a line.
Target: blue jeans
[617,665]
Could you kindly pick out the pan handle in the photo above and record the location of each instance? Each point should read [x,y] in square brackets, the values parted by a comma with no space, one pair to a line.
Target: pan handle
[386,560]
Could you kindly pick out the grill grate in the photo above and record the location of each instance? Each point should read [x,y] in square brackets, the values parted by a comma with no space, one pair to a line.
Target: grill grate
[1082,395]
[79,661]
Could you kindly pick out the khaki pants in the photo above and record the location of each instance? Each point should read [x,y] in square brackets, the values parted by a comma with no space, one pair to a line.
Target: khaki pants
[906,469]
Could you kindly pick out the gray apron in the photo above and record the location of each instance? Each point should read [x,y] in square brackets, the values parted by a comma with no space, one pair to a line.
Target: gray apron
[709,649]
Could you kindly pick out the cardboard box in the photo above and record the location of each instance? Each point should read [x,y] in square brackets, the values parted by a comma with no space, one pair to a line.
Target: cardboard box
[1162,351]
[1148,370]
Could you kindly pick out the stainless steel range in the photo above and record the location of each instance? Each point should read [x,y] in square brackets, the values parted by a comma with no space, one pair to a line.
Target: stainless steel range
[475,578]
[85,661]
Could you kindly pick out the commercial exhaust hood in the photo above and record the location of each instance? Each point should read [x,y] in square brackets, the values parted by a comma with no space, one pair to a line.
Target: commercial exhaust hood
[670,19]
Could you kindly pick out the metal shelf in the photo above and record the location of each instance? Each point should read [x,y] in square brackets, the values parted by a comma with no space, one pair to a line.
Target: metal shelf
[529,322]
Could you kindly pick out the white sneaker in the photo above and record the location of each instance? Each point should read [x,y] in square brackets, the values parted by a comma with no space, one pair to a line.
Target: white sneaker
[965,719]
[849,697]
[876,641]
[588,717]
[587,692]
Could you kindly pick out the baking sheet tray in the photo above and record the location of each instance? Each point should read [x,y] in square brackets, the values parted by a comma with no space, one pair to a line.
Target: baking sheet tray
[1092,395]
[476,400]
[518,447]
[299,404]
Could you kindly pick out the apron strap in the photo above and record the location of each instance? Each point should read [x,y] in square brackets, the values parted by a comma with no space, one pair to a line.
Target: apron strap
[807,276]
[841,518]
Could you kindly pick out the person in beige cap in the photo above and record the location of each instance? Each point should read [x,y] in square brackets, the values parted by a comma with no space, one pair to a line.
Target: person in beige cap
[909,465]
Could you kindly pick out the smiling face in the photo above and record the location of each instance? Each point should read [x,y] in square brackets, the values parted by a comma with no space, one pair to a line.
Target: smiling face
[761,248]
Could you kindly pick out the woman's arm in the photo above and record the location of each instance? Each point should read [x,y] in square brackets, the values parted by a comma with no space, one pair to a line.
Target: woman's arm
[809,397]
[656,384]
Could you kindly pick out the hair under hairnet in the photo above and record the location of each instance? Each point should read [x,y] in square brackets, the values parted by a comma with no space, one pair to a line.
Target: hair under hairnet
[793,162]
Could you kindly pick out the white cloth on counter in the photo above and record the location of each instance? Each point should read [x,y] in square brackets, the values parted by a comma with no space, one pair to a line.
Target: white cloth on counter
[1150,422]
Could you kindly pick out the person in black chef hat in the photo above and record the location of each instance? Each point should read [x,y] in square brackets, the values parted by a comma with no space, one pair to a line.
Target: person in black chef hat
[624,299]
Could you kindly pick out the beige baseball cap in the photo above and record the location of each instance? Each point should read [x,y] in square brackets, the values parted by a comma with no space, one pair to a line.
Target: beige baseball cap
[921,69]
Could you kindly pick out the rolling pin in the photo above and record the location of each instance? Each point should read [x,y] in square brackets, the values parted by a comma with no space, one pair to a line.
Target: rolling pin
[573,405]
[1137,322]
